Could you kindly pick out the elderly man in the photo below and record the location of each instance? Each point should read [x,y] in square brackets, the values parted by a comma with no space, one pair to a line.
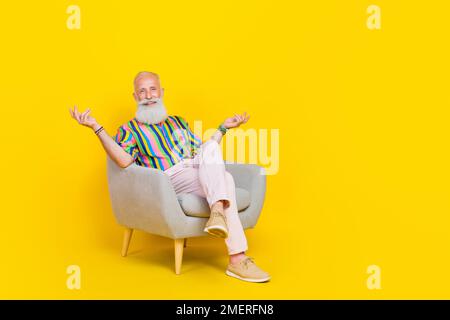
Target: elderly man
[154,139]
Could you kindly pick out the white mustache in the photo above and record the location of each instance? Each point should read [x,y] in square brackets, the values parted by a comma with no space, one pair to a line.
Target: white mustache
[146,101]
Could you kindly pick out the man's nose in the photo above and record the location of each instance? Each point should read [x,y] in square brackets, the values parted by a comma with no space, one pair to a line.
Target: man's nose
[151,95]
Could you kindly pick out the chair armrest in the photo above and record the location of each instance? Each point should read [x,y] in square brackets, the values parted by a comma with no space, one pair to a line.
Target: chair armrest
[246,176]
[252,178]
[143,198]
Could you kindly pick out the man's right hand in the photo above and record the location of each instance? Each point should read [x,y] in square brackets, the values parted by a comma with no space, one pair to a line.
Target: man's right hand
[84,118]
[112,148]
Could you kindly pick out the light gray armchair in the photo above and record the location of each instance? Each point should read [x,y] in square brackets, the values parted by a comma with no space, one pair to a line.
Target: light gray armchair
[144,199]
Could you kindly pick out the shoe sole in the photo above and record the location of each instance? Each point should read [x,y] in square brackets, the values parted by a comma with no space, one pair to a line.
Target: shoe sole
[232,274]
[217,231]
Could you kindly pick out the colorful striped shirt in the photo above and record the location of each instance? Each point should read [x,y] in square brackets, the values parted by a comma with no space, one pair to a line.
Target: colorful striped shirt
[158,146]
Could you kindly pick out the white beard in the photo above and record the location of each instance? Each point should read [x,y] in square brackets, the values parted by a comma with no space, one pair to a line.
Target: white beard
[152,113]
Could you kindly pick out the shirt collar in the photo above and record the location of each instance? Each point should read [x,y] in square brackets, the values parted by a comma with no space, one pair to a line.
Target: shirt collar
[154,124]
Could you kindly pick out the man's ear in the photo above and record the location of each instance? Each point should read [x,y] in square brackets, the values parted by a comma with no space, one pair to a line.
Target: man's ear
[135,96]
[162,92]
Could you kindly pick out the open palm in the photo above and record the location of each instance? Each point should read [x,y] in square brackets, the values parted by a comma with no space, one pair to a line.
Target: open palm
[236,121]
[83,118]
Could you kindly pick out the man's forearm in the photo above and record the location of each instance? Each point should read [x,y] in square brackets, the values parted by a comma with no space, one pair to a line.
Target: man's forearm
[115,152]
[217,136]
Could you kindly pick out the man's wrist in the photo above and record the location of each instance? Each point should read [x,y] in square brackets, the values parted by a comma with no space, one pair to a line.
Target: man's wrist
[222,128]
[96,126]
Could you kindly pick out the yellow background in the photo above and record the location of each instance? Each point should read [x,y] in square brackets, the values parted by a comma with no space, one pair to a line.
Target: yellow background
[364,162]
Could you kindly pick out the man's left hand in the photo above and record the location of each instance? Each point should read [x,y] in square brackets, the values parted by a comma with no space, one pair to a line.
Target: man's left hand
[236,121]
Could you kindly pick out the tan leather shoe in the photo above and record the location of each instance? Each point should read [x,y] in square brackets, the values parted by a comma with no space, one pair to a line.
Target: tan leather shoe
[217,225]
[247,270]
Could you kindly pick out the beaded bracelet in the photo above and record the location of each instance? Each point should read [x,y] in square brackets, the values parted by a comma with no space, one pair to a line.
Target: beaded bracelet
[222,129]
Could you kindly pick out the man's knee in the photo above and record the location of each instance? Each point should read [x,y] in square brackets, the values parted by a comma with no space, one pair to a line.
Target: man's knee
[211,152]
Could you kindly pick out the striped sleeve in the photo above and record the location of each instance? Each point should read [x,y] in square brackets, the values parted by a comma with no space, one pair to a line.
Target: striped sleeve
[126,140]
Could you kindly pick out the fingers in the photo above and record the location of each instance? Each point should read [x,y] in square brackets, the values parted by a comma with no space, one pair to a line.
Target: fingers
[76,113]
[246,117]
[238,119]
[80,117]
[84,115]
[87,115]
[86,112]
[242,118]
[72,113]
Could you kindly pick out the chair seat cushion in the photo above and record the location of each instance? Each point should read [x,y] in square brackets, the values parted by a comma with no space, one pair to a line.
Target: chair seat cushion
[196,206]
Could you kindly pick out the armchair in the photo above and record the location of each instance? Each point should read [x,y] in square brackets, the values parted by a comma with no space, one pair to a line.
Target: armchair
[143,199]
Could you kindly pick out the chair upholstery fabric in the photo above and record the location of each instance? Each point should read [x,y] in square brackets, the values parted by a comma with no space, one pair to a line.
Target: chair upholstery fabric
[143,199]
[196,206]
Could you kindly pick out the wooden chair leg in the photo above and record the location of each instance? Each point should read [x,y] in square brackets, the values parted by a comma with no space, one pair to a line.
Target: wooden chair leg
[185,242]
[179,244]
[126,241]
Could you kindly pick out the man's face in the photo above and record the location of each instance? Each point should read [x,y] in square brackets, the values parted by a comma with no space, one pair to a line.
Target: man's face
[147,88]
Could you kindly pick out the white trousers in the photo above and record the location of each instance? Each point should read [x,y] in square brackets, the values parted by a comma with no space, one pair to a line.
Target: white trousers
[205,175]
